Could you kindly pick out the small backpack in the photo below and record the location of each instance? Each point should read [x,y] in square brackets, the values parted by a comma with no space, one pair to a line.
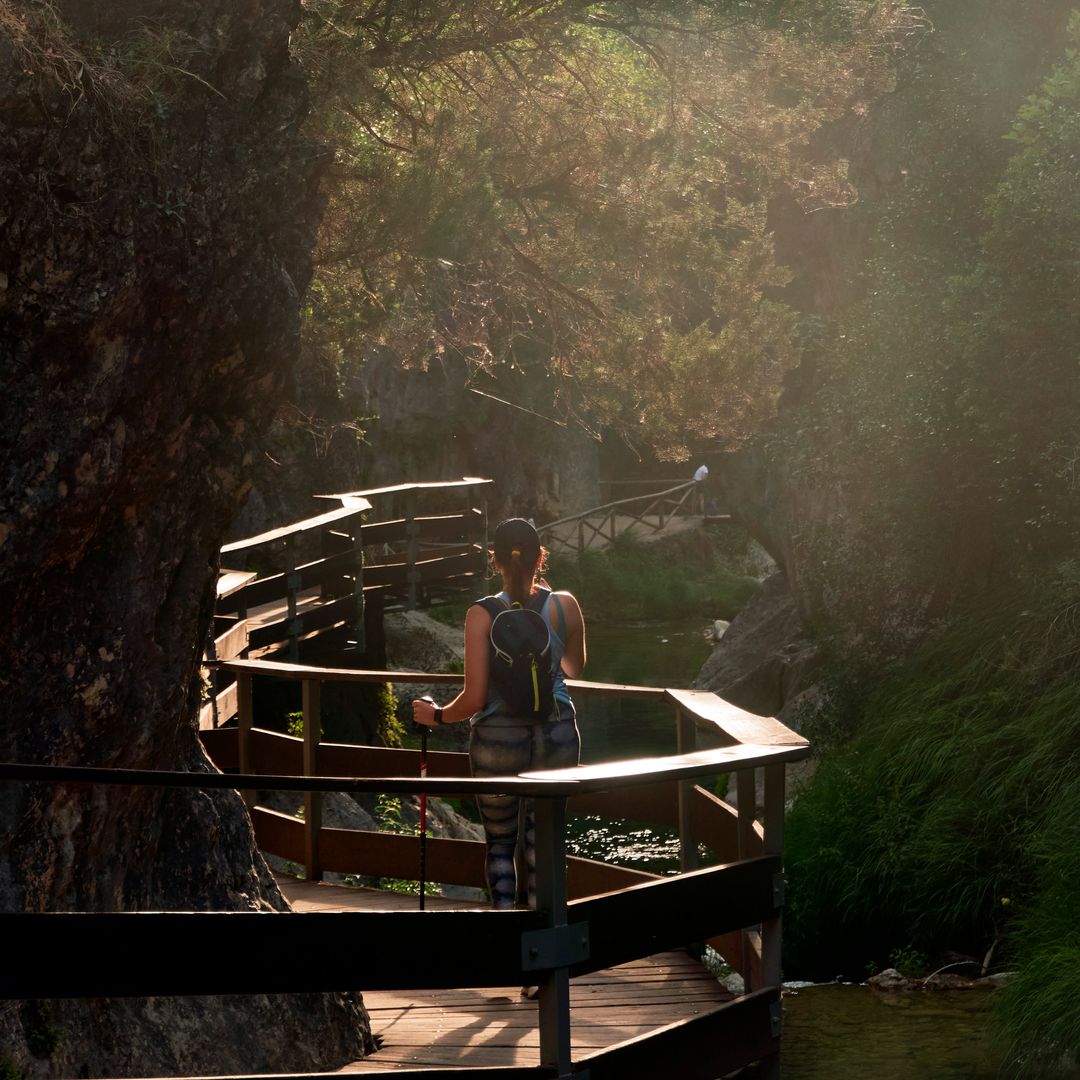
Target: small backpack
[520,658]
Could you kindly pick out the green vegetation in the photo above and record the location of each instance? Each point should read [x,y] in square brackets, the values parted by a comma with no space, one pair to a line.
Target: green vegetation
[911,963]
[949,820]
[683,576]
[295,725]
[389,816]
[687,575]
[945,402]
[384,701]
[943,814]
[42,1035]
[1039,1010]
[570,201]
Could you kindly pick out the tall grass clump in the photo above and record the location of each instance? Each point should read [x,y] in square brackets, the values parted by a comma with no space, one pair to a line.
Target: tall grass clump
[949,820]
[1038,1012]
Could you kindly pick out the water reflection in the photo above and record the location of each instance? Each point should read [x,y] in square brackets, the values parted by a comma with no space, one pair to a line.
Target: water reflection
[637,654]
[623,843]
[633,654]
[847,1032]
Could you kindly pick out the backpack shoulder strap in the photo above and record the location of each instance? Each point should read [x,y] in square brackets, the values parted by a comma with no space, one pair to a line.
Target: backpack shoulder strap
[538,599]
[561,628]
[491,604]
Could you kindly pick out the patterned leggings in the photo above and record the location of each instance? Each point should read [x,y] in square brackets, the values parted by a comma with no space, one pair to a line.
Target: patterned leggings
[504,751]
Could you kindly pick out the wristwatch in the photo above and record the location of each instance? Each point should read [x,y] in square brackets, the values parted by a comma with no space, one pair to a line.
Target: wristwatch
[438,708]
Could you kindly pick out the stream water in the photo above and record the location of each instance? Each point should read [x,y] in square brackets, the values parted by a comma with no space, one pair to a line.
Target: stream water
[635,654]
[831,1032]
[842,1032]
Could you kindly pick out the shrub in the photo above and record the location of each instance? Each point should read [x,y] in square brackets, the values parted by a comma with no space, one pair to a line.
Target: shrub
[952,820]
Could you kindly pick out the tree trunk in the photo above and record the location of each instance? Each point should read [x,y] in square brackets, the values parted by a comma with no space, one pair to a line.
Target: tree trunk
[158,204]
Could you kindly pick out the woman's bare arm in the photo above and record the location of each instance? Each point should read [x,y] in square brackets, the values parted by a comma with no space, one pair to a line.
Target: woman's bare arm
[573,661]
[474,693]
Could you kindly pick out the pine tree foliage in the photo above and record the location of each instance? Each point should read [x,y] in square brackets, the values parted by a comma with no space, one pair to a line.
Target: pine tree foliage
[584,188]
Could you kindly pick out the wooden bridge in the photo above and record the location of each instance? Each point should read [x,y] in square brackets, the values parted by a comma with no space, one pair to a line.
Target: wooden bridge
[318,588]
[637,516]
[619,994]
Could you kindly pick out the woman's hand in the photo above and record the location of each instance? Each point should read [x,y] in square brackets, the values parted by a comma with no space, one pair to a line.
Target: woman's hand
[423,712]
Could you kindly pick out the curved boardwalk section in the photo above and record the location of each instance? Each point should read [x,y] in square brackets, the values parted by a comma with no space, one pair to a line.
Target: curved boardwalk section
[495,1026]
[615,999]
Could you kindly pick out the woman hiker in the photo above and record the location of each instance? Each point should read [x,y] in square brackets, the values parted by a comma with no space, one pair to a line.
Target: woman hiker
[504,740]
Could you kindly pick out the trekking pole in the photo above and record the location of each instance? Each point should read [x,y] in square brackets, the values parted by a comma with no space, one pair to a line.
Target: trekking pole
[423,815]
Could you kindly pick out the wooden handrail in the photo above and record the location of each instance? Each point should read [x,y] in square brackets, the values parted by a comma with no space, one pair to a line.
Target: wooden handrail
[618,502]
[296,528]
[433,485]
[580,780]
[283,670]
[737,724]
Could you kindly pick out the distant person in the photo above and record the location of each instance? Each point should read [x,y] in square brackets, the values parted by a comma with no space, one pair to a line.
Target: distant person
[504,740]
[701,476]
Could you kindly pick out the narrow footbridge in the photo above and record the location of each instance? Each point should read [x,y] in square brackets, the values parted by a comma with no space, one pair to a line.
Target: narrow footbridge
[638,516]
[311,579]
[611,949]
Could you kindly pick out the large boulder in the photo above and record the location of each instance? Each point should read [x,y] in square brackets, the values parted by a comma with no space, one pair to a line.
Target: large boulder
[763,661]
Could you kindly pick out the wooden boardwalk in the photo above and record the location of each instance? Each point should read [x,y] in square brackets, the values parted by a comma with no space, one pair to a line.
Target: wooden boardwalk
[496,1026]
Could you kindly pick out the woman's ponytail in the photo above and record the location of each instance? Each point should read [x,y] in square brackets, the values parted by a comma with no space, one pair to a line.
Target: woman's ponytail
[518,555]
[519,578]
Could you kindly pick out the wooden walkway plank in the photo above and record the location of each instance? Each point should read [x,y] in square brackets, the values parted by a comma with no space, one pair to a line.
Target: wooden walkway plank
[491,1027]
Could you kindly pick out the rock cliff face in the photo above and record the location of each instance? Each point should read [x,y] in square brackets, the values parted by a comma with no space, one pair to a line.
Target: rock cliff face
[418,425]
[158,206]
[432,426]
[763,661]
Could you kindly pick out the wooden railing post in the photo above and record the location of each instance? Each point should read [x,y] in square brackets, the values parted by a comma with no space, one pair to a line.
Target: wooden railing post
[554,1000]
[358,583]
[411,548]
[312,695]
[746,798]
[773,823]
[215,677]
[483,567]
[686,743]
[244,722]
[773,829]
[292,587]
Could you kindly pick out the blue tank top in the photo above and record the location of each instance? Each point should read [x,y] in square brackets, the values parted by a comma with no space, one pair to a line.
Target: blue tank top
[494,710]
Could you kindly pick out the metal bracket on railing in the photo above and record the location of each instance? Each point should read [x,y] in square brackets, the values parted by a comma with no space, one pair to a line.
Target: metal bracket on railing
[778,889]
[555,947]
